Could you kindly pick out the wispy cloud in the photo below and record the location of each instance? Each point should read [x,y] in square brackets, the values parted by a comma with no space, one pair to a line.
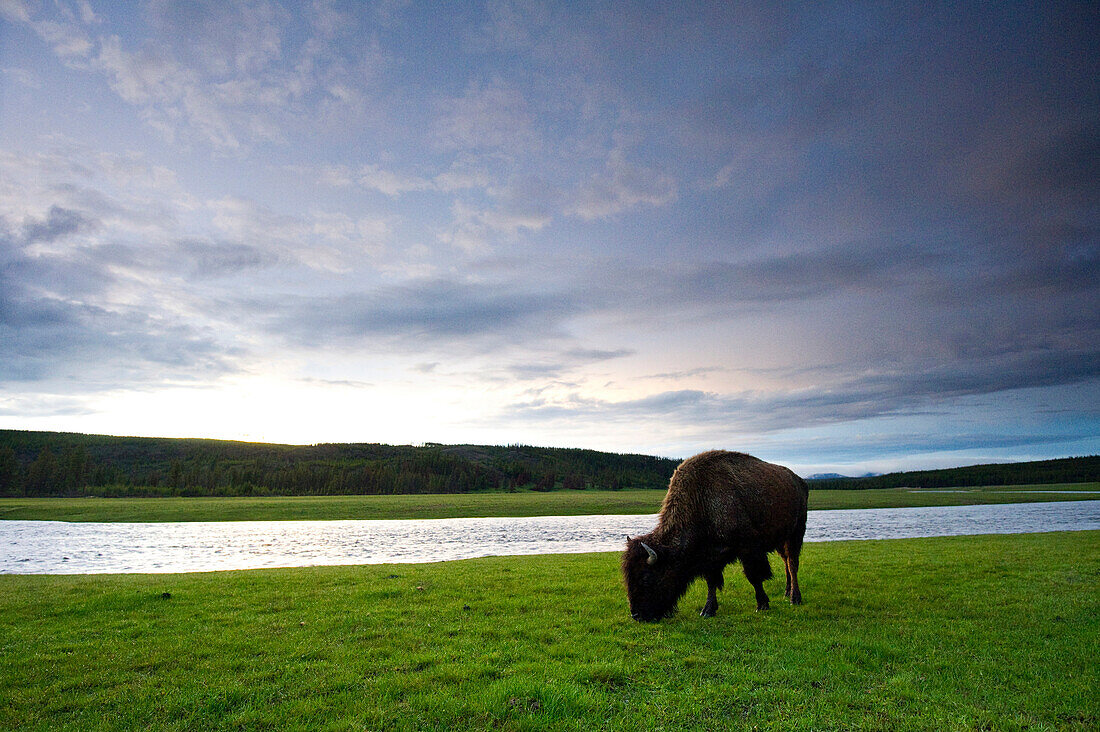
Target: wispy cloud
[841,401]
[64,314]
[622,186]
[59,222]
[485,117]
[390,183]
[226,74]
[415,315]
[22,76]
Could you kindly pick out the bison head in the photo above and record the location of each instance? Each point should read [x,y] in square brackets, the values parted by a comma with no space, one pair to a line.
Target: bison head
[655,579]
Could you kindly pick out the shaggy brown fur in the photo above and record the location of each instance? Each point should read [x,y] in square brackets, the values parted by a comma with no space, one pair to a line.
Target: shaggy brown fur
[721,507]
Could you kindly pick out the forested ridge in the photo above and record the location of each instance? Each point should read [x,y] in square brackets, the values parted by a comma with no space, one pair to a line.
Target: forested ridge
[1038,472]
[69,464]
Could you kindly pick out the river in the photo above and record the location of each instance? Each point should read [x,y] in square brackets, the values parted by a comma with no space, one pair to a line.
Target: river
[56,547]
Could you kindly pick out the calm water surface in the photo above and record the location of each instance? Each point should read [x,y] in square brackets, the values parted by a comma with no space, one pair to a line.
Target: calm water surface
[56,547]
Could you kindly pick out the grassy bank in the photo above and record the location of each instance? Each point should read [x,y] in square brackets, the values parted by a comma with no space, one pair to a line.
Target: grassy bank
[991,632]
[559,503]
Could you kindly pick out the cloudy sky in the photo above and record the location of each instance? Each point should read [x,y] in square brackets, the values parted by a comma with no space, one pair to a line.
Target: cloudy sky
[840,236]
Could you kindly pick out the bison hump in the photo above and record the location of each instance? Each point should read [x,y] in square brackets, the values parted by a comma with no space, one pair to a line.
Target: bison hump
[722,493]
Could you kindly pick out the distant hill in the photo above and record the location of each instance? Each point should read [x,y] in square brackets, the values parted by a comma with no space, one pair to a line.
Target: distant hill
[1063,470]
[69,464]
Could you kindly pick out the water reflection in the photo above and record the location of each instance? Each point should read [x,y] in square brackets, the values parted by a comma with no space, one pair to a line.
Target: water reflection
[53,547]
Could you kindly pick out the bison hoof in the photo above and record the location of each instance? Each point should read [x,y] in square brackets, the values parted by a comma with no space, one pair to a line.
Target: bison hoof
[708,612]
[796,600]
[761,606]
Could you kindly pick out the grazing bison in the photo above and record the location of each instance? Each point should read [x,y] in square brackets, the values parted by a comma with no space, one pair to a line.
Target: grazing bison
[721,507]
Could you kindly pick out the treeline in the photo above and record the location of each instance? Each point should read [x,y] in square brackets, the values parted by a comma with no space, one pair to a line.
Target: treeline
[67,464]
[1063,470]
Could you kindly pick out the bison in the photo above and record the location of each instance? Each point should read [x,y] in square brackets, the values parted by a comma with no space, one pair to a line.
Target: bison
[721,507]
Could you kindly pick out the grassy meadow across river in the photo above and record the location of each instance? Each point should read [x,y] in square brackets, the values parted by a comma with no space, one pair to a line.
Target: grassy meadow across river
[521,503]
[958,633]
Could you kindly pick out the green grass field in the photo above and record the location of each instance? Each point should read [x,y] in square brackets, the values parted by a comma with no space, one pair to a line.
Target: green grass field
[559,503]
[961,633]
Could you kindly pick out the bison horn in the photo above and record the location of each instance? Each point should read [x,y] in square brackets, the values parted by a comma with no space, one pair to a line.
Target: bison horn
[652,554]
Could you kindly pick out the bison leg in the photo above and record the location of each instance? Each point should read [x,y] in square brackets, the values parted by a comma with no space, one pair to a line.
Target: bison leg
[756,568]
[715,582]
[790,552]
[792,579]
[786,569]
